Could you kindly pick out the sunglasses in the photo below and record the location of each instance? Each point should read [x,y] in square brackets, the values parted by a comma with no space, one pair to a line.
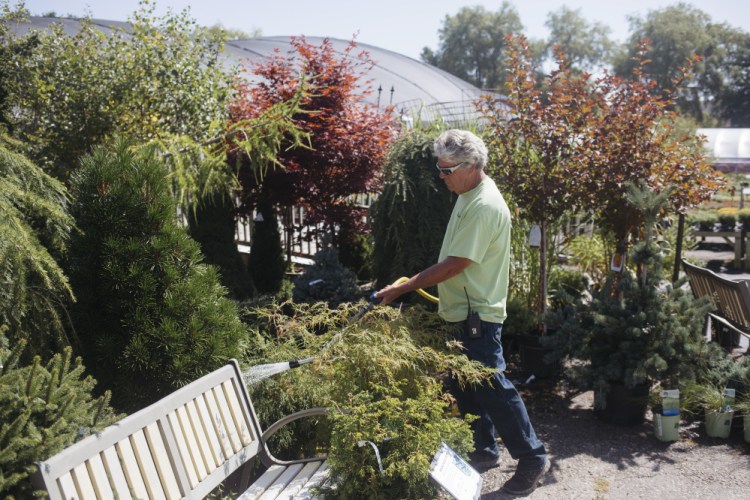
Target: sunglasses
[448,170]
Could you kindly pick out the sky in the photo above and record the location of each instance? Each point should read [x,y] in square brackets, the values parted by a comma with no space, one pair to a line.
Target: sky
[403,26]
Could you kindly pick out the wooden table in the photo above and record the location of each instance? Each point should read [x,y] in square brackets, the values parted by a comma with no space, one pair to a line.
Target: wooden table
[734,238]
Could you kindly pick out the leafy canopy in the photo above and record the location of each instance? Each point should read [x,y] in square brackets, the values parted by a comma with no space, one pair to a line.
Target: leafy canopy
[348,139]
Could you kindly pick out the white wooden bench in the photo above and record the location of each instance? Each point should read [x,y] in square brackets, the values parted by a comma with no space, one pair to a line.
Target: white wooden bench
[183,446]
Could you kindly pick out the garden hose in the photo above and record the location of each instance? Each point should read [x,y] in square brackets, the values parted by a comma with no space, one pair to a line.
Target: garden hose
[421,292]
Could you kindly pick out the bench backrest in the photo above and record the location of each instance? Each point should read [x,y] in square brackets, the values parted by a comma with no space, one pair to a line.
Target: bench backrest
[732,298]
[182,446]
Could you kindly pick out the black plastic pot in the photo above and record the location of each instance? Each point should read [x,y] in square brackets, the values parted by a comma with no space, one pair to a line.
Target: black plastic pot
[622,405]
[532,354]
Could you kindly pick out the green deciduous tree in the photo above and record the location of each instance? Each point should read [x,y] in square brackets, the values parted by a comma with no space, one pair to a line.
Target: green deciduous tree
[161,77]
[472,44]
[151,316]
[677,32]
[586,45]
[34,232]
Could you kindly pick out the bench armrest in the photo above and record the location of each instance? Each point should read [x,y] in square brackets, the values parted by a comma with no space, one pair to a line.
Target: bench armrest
[276,426]
[267,458]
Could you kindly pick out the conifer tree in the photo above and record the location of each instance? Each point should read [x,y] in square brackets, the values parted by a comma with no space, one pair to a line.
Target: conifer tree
[645,330]
[267,265]
[410,215]
[43,409]
[213,226]
[34,228]
[327,280]
[151,316]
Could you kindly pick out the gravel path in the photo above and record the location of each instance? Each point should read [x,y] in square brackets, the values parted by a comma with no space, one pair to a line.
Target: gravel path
[595,460]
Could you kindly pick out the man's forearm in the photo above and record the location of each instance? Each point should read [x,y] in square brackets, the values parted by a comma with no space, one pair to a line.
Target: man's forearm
[443,270]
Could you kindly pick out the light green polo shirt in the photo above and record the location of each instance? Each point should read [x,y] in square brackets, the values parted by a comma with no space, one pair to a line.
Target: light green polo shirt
[479,229]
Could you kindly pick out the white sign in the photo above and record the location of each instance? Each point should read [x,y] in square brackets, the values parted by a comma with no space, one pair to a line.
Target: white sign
[456,476]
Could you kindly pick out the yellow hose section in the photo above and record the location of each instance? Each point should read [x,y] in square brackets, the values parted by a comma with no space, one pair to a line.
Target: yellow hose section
[418,290]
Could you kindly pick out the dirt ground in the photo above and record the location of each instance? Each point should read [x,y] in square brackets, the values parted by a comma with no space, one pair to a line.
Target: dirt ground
[591,459]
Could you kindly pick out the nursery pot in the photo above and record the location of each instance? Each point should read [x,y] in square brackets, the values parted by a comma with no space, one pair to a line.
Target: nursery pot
[746,420]
[532,354]
[622,405]
[666,427]
[718,424]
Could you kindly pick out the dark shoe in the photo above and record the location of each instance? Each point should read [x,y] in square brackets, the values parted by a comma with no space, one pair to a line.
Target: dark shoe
[481,460]
[526,478]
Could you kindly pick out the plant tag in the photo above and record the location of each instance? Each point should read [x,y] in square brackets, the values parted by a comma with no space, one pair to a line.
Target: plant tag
[535,236]
[729,396]
[670,402]
[456,476]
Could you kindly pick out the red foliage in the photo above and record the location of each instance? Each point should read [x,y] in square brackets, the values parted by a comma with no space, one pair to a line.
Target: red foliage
[575,144]
[348,139]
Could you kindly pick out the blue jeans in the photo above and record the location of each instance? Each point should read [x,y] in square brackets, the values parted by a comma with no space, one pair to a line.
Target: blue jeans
[497,402]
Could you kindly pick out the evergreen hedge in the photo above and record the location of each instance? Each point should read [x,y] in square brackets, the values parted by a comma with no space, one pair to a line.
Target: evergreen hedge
[410,215]
[267,265]
[150,315]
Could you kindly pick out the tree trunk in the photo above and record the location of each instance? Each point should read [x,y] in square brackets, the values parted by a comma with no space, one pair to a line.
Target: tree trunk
[543,273]
[678,249]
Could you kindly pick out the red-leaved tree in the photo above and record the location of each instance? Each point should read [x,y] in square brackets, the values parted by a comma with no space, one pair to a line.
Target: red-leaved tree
[348,139]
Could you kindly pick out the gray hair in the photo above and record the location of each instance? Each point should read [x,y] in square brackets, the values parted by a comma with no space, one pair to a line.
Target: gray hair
[461,146]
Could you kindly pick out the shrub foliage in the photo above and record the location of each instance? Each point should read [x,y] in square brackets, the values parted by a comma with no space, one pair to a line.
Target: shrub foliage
[410,215]
[43,409]
[151,316]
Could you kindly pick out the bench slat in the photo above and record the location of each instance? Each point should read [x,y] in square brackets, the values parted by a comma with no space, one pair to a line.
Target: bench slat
[218,422]
[130,468]
[226,415]
[183,449]
[210,431]
[162,461]
[304,476]
[262,483]
[98,476]
[281,482]
[80,474]
[116,474]
[67,486]
[200,435]
[320,477]
[146,465]
[238,415]
[196,457]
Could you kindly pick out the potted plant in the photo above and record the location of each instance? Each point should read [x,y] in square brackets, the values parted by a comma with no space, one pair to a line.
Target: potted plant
[742,407]
[727,220]
[636,329]
[704,220]
[717,405]
[665,406]
[743,216]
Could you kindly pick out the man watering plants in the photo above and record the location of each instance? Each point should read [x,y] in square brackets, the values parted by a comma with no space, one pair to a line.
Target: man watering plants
[472,280]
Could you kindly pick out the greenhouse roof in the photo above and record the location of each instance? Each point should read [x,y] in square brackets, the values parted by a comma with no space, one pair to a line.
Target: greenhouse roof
[727,145]
[411,86]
